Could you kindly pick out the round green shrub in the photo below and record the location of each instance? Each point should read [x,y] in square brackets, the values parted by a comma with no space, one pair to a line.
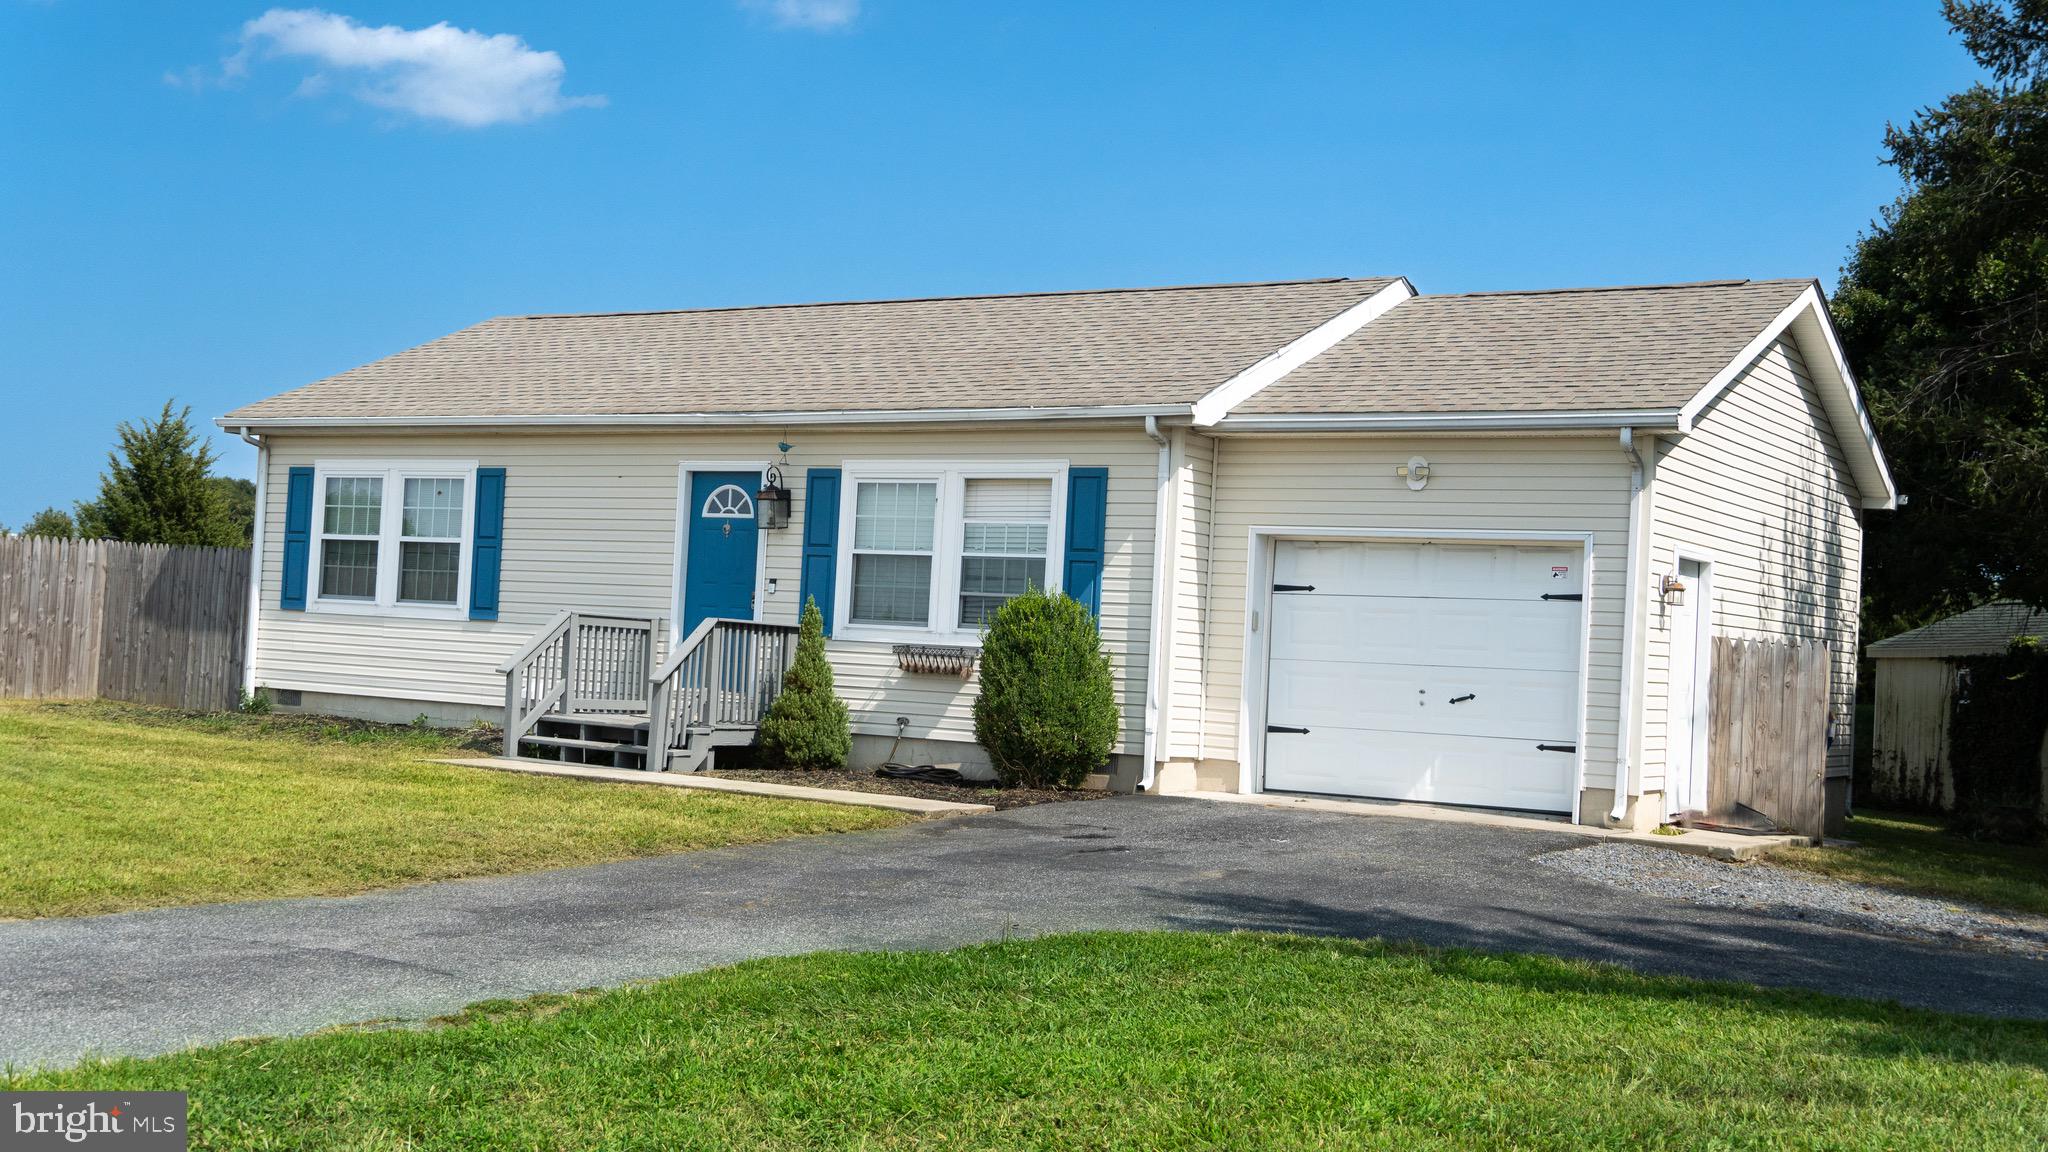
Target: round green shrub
[807,726]
[1047,712]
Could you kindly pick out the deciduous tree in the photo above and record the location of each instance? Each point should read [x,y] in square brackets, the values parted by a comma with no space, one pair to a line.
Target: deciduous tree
[1943,311]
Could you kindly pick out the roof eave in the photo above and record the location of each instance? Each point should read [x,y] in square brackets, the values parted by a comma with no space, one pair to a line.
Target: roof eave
[258,423]
[1650,420]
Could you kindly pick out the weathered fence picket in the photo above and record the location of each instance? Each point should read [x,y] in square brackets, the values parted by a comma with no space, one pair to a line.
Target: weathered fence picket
[1767,745]
[144,622]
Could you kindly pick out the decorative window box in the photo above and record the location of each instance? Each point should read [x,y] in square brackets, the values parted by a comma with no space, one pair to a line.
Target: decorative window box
[936,659]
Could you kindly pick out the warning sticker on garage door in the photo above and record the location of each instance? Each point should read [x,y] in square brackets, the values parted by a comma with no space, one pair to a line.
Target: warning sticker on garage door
[1560,571]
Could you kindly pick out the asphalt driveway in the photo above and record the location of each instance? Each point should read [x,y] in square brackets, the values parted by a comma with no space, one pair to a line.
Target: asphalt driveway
[147,982]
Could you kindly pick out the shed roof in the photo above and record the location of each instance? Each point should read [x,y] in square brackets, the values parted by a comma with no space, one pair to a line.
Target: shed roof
[1982,631]
[1145,346]
[1569,350]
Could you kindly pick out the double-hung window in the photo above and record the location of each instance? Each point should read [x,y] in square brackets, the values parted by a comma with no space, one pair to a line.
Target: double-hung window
[392,537]
[936,548]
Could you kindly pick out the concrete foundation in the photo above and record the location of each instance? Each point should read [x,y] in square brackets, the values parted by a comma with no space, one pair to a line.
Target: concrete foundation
[384,710]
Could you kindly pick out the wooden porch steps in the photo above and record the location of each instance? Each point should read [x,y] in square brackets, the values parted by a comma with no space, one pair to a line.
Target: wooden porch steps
[588,690]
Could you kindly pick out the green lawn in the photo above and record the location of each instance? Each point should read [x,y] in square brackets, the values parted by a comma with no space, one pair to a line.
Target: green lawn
[1915,854]
[106,807]
[1133,1041]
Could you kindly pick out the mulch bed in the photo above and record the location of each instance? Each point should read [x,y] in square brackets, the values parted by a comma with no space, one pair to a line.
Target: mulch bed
[858,780]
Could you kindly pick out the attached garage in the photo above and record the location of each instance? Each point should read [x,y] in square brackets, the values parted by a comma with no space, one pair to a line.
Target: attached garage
[1428,670]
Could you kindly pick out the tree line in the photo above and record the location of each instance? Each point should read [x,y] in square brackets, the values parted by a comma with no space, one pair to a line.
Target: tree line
[1943,313]
[159,488]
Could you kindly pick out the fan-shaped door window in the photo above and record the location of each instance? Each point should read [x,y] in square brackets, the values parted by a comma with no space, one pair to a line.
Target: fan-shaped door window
[728,502]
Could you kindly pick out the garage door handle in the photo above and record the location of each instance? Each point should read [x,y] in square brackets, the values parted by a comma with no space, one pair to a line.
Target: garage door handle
[1294,587]
[1285,728]
[1465,697]
[1564,596]
[1557,747]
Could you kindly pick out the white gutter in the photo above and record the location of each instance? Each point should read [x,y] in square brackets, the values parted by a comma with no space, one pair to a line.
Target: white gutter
[255,561]
[1631,627]
[1162,539]
[1665,419]
[713,419]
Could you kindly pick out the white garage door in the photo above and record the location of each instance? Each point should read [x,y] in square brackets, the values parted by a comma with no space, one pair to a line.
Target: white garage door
[1439,672]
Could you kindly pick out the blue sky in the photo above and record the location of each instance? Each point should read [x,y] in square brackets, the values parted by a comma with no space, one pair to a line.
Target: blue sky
[202,201]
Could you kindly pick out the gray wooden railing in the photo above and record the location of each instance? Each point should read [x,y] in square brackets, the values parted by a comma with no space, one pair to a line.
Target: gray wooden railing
[724,675]
[580,663]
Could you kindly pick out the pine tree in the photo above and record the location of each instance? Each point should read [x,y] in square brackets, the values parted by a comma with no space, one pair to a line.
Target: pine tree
[156,488]
[807,726]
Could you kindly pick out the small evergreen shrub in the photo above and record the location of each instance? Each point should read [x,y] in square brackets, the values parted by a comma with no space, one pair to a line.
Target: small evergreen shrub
[807,725]
[1047,712]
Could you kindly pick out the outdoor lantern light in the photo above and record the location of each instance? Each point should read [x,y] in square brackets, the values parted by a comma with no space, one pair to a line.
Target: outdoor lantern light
[1672,589]
[771,503]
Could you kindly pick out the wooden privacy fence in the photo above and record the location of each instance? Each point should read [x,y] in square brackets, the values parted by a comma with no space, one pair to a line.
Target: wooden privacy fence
[150,623]
[1767,734]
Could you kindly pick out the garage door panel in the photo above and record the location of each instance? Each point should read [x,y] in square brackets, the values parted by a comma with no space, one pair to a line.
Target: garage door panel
[1485,633]
[1436,769]
[1413,698]
[1503,571]
[1373,642]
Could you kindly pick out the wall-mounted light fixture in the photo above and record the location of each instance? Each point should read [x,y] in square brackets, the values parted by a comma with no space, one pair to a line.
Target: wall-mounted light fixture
[1672,590]
[771,503]
[1416,472]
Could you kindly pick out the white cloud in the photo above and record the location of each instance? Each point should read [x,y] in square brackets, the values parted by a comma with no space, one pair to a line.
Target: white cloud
[810,15]
[442,73]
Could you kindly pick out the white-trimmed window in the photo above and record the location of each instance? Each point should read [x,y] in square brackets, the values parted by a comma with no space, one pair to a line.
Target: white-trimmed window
[392,537]
[932,549]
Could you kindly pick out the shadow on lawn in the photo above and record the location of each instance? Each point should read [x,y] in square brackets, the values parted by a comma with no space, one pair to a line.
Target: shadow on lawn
[1759,961]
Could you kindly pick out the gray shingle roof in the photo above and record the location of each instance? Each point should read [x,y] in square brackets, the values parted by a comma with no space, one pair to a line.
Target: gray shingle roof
[1982,631]
[1162,346]
[1590,349]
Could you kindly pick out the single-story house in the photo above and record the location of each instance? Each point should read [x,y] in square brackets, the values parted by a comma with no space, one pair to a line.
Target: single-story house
[1918,674]
[1341,538]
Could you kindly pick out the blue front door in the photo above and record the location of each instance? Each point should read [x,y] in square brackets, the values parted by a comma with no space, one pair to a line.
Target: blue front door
[719,575]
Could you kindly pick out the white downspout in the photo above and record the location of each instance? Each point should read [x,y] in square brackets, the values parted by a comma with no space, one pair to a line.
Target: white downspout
[255,560]
[1162,546]
[1638,503]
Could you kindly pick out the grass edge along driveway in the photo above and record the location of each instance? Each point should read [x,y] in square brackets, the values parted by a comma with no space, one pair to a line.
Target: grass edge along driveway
[108,807]
[1158,1040]
[1916,853]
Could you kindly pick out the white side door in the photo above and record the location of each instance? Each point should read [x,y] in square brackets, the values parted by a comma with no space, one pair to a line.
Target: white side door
[1418,671]
[1686,717]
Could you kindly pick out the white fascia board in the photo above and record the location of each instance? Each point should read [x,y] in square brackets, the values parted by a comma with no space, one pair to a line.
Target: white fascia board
[1214,407]
[1838,379]
[712,419]
[1645,420]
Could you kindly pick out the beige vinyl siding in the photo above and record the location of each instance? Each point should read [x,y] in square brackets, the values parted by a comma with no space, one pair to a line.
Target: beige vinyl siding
[590,524]
[1193,505]
[1761,488]
[1496,485]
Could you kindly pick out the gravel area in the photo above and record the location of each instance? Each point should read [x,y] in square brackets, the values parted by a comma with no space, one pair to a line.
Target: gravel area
[1791,895]
[854,780]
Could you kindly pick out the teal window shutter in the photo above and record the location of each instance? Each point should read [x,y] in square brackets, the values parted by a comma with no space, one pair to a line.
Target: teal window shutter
[1087,522]
[298,539]
[821,541]
[487,552]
